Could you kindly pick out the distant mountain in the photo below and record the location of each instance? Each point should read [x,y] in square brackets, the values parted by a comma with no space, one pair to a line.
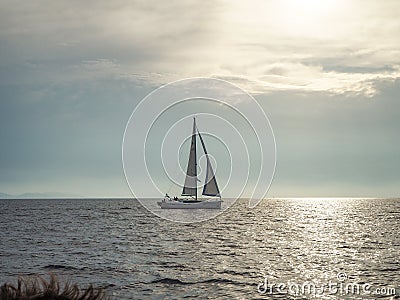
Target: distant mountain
[37,196]
[5,196]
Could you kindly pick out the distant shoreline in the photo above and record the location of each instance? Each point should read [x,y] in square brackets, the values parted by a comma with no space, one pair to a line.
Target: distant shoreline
[71,198]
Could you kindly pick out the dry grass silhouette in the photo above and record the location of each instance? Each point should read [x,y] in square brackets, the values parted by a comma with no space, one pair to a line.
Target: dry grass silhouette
[38,288]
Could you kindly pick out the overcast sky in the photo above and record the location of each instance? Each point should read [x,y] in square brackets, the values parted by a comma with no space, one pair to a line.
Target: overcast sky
[327,73]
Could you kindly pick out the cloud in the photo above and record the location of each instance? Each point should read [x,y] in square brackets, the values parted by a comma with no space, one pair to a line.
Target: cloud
[339,47]
[306,78]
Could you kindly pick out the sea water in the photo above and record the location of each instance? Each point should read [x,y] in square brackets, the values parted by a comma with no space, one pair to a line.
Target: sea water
[283,248]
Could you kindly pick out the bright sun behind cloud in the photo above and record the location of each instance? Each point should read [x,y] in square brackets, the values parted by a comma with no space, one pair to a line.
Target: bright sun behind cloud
[288,17]
[313,45]
[310,17]
[310,7]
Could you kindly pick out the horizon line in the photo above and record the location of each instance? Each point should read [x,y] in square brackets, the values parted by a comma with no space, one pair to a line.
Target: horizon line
[246,198]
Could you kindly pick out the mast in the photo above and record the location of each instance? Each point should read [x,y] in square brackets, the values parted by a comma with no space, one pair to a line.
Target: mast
[195,153]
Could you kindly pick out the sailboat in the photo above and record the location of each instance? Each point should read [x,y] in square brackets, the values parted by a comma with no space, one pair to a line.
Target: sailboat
[189,198]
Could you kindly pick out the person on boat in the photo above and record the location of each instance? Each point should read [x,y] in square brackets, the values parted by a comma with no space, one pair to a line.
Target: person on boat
[176,198]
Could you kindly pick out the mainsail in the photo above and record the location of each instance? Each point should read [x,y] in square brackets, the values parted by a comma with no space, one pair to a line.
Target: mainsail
[210,187]
[190,187]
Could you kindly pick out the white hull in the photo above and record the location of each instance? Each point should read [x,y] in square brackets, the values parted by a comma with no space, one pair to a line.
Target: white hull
[216,204]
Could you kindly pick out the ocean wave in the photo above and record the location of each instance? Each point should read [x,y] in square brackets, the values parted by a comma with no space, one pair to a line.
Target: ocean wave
[180,282]
[61,267]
